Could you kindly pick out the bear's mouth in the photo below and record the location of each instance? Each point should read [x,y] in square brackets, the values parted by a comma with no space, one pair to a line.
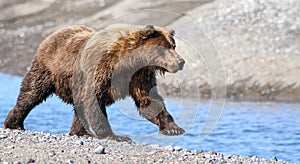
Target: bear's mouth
[162,70]
[169,69]
[158,69]
[172,68]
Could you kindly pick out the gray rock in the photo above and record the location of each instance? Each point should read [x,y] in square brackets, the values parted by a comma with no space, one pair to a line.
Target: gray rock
[197,151]
[274,159]
[254,158]
[169,148]
[3,136]
[73,151]
[155,146]
[152,152]
[30,160]
[18,162]
[177,148]
[52,153]
[99,150]
[79,142]
[69,161]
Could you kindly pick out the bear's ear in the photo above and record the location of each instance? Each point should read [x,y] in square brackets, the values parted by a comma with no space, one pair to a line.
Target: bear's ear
[147,31]
[172,32]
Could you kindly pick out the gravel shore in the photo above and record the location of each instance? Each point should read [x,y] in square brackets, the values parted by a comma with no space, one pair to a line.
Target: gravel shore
[38,147]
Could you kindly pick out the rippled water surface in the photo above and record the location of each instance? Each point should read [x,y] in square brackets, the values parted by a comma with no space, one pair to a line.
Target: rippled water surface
[245,128]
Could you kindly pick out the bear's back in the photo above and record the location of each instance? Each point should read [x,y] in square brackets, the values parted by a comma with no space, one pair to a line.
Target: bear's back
[58,52]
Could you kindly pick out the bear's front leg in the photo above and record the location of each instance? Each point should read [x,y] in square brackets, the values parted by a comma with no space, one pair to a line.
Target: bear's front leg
[154,110]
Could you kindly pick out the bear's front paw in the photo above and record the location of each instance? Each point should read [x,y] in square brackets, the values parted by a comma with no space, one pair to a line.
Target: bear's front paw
[172,130]
[119,138]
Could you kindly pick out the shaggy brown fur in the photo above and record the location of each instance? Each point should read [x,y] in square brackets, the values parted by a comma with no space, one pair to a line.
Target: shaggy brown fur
[92,70]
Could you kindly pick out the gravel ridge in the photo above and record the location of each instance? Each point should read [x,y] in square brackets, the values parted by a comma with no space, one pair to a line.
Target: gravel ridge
[39,147]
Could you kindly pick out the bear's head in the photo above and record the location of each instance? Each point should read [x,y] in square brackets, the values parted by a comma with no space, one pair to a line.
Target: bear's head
[159,46]
[126,49]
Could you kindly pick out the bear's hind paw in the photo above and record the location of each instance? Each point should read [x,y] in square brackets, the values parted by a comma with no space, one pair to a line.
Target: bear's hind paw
[119,138]
[11,125]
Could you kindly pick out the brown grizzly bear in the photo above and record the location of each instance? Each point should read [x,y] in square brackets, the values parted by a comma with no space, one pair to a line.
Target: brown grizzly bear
[92,70]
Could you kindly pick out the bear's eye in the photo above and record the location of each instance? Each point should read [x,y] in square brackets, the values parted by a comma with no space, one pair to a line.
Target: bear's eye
[155,34]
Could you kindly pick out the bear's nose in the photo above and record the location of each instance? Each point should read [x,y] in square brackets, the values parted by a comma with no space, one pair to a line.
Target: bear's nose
[180,63]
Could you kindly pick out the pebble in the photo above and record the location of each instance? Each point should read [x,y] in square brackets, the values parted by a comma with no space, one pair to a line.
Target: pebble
[10,147]
[169,148]
[177,148]
[52,153]
[152,152]
[197,151]
[30,160]
[274,158]
[253,158]
[3,136]
[99,150]
[207,155]
[155,146]
[69,161]
[79,142]
[73,151]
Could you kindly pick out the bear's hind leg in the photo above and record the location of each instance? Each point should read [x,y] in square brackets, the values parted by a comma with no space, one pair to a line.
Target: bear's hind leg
[77,127]
[36,87]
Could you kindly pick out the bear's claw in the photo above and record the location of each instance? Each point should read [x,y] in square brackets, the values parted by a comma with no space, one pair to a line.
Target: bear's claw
[172,130]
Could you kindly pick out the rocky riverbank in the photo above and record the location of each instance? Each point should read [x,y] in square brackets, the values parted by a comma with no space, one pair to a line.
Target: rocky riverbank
[38,147]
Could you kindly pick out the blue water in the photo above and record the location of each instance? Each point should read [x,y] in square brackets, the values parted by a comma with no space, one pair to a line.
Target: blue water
[263,129]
